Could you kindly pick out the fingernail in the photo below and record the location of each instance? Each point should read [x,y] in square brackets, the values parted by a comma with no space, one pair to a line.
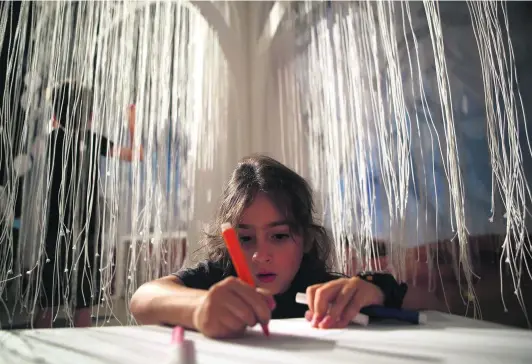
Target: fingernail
[271,303]
[266,329]
[308,316]
[315,320]
[327,320]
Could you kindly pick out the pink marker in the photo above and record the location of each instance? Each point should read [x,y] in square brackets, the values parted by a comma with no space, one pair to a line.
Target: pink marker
[178,335]
[182,352]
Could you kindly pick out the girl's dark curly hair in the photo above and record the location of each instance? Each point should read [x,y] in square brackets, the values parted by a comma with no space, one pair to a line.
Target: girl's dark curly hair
[291,195]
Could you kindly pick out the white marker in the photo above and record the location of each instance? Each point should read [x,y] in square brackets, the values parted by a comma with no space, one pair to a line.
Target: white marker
[359,319]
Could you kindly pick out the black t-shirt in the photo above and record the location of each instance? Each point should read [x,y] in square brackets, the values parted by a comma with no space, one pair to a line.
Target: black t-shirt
[74,164]
[207,273]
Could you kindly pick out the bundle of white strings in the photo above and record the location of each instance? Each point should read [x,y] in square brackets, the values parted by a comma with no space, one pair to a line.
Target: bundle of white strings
[161,56]
[361,78]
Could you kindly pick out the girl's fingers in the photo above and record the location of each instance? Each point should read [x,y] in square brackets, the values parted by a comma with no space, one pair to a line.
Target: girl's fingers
[343,298]
[311,292]
[241,310]
[325,296]
[336,303]
[231,325]
[327,323]
[351,310]
[259,303]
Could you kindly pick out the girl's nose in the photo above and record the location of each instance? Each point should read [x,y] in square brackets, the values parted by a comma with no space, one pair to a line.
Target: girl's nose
[262,253]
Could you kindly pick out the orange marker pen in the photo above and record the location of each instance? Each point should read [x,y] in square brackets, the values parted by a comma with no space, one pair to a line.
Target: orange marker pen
[239,260]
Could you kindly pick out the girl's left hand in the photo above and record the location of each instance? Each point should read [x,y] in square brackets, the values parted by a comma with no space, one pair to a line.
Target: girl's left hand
[334,304]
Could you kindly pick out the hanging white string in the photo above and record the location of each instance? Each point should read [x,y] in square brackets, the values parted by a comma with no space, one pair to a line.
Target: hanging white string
[164,58]
[505,116]
[390,146]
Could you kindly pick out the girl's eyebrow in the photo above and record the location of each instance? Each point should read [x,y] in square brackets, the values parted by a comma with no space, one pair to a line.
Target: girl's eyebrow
[271,224]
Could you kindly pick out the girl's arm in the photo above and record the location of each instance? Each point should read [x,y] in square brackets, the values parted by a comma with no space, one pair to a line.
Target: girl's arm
[166,301]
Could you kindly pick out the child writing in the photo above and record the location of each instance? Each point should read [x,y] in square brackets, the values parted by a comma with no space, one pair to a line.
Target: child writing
[287,251]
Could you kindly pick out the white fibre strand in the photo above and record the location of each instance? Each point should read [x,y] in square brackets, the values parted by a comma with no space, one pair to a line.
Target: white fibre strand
[505,117]
[376,135]
[453,164]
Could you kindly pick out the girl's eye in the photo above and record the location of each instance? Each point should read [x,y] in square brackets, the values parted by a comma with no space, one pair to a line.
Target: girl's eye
[281,236]
[245,239]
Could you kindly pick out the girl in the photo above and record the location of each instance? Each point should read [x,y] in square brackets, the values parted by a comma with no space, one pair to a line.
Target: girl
[287,251]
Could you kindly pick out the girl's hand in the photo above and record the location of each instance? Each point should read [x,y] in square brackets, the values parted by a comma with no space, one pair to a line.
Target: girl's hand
[334,304]
[230,306]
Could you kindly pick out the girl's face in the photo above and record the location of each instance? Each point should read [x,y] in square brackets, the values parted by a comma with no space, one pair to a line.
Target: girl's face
[273,253]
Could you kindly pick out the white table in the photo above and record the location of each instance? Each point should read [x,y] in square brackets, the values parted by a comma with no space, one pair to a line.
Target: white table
[446,339]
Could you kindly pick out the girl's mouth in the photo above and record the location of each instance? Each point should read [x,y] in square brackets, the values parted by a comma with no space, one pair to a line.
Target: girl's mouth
[266,277]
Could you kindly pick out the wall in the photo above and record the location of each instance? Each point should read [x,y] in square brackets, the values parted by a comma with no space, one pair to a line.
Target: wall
[264,114]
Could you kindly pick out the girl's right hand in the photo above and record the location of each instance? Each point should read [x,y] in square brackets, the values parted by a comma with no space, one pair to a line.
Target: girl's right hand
[230,306]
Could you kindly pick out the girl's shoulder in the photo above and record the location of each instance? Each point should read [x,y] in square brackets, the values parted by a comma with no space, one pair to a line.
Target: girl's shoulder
[204,275]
